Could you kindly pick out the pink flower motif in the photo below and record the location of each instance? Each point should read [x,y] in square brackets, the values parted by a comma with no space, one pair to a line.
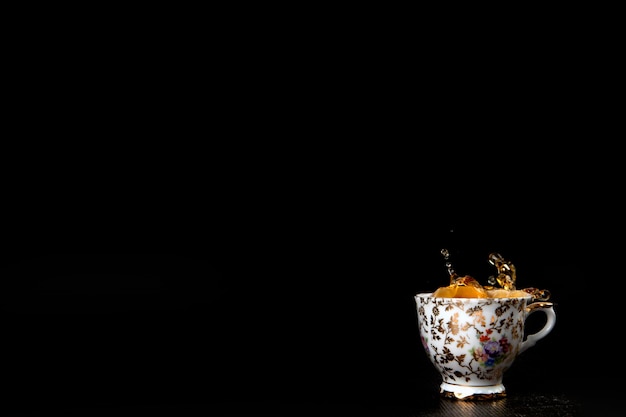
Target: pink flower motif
[424,343]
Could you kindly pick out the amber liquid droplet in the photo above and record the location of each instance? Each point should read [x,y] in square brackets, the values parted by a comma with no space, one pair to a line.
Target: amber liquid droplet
[449,268]
[506,271]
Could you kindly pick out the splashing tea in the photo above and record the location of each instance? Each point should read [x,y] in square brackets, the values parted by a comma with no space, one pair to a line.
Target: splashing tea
[468,287]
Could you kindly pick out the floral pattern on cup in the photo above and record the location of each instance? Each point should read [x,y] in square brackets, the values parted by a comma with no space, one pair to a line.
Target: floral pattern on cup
[492,351]
[425,343]
[471,341]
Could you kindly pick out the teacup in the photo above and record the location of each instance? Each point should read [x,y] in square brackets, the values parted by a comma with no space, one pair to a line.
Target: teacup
[473,341]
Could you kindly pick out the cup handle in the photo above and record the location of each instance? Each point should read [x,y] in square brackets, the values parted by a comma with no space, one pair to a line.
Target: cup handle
[548,309]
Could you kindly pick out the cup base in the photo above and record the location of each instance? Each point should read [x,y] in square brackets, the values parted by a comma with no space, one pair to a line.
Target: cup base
[472,393]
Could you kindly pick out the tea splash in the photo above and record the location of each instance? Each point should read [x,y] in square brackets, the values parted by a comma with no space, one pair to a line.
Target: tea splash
[468,287]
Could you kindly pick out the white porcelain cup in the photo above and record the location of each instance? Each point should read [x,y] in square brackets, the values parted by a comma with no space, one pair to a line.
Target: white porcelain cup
[472,341]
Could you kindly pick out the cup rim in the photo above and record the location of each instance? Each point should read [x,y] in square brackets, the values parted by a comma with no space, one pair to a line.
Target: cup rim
[429,295]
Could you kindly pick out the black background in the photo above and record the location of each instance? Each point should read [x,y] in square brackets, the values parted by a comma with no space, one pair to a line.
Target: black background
[295,298]
[238,225]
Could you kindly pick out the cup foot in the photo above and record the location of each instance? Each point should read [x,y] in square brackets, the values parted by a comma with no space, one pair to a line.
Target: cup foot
[470,393]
